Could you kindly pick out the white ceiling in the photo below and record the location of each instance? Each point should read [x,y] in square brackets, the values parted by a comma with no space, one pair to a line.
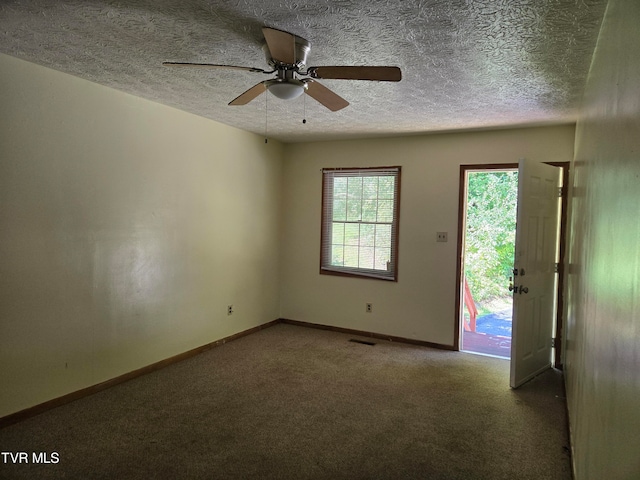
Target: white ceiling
[466,64]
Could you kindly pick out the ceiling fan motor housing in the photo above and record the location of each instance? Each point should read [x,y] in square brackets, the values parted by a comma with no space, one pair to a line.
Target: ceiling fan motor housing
[301,50]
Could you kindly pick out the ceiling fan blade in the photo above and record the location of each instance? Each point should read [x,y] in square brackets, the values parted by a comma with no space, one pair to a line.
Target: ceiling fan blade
[212,65]
[326,97]
[281,44]
[249,95]
[381,74]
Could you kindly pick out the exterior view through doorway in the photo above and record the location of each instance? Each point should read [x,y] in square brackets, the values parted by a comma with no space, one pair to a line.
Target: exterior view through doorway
[479,308]
[488,244]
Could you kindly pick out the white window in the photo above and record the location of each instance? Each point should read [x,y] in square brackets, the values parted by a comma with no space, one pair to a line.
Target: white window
[360,208]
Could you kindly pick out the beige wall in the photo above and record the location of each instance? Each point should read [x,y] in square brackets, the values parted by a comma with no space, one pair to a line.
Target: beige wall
[421,304]
[126,228]
[603,329]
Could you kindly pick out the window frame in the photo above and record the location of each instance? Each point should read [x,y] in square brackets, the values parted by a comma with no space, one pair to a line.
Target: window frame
[328,177]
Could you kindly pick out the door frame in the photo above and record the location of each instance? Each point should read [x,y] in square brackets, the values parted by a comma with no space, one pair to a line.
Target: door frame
[557,360]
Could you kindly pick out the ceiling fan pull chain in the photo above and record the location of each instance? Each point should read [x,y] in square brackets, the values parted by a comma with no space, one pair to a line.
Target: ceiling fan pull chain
[266,117]
[304,109]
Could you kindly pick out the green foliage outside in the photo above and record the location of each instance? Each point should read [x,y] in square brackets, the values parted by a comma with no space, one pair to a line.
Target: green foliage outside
[490,234]
[362,220]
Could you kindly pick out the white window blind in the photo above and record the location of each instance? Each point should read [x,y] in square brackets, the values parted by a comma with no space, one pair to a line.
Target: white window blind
[360,209]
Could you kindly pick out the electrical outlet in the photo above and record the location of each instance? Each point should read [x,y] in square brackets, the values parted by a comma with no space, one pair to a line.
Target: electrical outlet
[441,237]
[369,308]
[230,310]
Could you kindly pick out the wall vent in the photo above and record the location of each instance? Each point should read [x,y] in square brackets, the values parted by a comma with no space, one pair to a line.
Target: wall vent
[363,342]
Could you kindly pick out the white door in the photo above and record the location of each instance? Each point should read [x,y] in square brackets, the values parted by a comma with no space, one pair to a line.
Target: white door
[534,295]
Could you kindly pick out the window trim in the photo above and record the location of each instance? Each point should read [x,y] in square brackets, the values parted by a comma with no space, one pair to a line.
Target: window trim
[327,217]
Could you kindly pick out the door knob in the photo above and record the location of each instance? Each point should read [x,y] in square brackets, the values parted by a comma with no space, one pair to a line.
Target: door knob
[523,289]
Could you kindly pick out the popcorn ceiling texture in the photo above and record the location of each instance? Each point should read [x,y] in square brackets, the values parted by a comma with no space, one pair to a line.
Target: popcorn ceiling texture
[466,63]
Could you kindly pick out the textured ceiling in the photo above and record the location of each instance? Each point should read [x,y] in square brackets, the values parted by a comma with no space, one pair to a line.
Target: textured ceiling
[466,64]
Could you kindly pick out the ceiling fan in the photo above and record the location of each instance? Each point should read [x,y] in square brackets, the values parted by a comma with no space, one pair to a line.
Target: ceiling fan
[286,54]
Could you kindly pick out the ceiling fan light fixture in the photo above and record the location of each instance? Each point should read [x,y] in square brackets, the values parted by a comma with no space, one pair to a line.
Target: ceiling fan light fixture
[286,90]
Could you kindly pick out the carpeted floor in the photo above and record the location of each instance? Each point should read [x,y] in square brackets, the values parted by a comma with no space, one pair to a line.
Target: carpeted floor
[290,402]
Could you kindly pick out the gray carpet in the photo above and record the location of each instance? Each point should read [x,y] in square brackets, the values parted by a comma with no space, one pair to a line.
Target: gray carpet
[300,403]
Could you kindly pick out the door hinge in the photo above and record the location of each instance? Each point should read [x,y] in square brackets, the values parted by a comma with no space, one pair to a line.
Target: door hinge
[556,267]
[560,191]
[553,342]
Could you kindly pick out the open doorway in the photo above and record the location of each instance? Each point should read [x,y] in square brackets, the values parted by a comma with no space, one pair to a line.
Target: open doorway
[488,245]
[560,308]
